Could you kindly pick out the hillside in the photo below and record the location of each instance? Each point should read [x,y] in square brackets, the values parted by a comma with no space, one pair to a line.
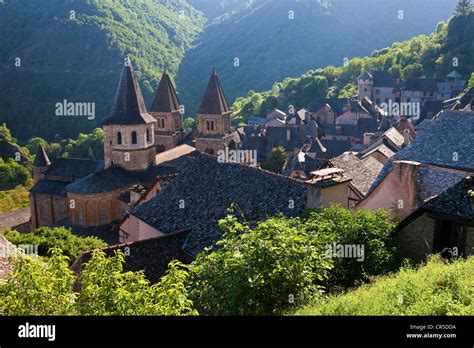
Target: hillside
[431,56]
[270,46]
[438,288]
[77,56]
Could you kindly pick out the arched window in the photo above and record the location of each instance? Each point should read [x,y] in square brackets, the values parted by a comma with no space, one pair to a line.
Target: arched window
[148,135]
[134,138]
[119,138]
[163,123]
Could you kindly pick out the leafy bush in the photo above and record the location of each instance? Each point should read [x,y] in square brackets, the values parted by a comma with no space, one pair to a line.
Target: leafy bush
[437,288]
[46,288]
[371,230]
[58,237]
[259,271]
[13,173]
[15,199]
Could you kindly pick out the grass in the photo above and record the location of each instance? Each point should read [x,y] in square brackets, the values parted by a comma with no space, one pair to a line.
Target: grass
[436,288]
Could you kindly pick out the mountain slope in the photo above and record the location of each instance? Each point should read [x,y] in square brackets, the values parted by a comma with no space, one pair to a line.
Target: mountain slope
[432,56]
[270,46]
[74,49]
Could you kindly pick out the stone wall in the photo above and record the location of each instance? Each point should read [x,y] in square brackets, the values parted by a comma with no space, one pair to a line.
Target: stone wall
[47,209]
[469,241]
[416,239]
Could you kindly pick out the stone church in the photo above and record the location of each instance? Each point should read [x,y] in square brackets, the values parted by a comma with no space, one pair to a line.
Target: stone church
[143,149]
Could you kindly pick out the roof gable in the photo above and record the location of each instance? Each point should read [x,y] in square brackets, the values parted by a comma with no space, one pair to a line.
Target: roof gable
[214,101]
[166,99]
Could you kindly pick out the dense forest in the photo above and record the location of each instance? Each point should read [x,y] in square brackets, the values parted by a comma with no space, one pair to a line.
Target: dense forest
[450,47]
[55,50]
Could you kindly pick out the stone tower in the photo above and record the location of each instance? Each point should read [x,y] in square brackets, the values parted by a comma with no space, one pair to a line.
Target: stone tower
[40,164]
[365,86]
[129,129]
[169,119]
[214,130]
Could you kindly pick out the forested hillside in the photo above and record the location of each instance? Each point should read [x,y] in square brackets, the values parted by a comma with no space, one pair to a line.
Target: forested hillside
[274,39]
[450,47]
[56,50]
[52,50]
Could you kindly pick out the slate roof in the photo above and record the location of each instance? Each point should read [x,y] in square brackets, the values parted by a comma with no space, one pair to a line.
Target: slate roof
[41,158]
[15,218]
[166,99]
[73,167]
[208,188]
[336,147]
[337,104]
[455,201]
[214,101]
[383,79]
[129,107]
[365,76]
[362,172]
[150,255]
[50,187]
[430,106]
[420,84]
[176,156]
[451,132]
[114,178]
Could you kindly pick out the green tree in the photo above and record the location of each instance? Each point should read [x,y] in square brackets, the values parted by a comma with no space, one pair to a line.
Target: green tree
[189,124]
[47,238]
[463,7]
[260,271]
[275,161]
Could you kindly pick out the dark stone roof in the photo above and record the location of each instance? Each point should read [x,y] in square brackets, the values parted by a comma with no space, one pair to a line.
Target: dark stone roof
[41,158]
[383,79]
[73,167]
[430,106]
[208,188]
[113,178]
[150,255]
[214,101]
[450,133]
[50,187]
[166,99]
[362,172]
[337,104]
[336,147]
[15,218]
[365,76]
[455,201]
[129,107]
[420,84]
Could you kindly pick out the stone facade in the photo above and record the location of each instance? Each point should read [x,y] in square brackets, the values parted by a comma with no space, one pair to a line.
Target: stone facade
[168,130]
[416,239]
[131,147]
[47,209]
[95,209]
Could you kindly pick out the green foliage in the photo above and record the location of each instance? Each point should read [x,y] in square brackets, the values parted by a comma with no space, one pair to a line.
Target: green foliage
[36,287]
[259,271]
[79,59]
[85,146]
[275,161]
[189,124]
[372,230]
[39,288]
[107,290]
[58,237]
[13,173]
[438,288]
[14,199]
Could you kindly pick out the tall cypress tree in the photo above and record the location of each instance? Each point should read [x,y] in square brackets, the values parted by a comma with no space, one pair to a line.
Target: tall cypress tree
[463,7]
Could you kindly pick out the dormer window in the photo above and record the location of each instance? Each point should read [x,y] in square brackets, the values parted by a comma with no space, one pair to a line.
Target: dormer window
[119,138]
[134,138]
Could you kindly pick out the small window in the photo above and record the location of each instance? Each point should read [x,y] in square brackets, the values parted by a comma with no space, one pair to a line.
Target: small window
[81,219]
[148,135]
[377,91]
[163,123]
[43,213]
[104,218]
[134,138]
[119,138]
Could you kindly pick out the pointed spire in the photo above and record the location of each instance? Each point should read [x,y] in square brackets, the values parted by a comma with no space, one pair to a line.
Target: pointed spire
[41,158]
[214,101]
[166,99]
[129,107]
